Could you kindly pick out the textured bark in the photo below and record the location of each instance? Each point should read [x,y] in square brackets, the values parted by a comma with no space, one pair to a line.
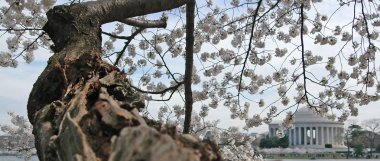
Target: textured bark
[190,15]
[81,107]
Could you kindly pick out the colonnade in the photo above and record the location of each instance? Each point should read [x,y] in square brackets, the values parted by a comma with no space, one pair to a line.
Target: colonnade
[313,135]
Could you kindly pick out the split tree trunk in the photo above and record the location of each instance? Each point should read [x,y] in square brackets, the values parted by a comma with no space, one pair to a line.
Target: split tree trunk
[81,107]
[190,15]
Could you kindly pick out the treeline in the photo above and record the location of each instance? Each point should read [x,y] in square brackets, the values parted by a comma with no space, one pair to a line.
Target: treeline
[274,142]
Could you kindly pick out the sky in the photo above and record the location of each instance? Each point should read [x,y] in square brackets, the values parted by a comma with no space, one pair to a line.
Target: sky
[16,84]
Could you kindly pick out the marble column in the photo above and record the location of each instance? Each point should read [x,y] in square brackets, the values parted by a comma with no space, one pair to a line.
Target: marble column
[275,131]
[299,136]
[271,132]
[289,136]
[342,136]
[323,136]
[294,136]
[333,135]
[328,135]
[311,135]
[337,141]
[305,135]
[317,135]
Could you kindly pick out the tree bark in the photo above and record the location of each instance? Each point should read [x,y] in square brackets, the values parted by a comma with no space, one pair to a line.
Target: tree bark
[190,9]
[81,107]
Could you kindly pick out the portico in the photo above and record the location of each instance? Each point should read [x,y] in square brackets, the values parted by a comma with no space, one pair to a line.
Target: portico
[311,130]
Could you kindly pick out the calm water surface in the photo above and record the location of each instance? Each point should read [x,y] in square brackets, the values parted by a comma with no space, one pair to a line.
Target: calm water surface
[13,158]
[34,158]
[323,159]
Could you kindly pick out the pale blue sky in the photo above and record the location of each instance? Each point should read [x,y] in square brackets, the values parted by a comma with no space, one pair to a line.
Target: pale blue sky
[16,84]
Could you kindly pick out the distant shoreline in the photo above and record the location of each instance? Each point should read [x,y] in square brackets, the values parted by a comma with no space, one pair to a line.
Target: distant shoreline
[10,153]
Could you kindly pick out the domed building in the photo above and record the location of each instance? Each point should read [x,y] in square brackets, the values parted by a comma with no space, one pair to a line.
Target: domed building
[312,131]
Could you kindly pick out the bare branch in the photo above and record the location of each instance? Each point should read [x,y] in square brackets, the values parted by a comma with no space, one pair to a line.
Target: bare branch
[172,88]
[145,23]
[369,43]
[19,29]
[29,45]
[121,53]
[190,16]
[116,36]
[117,10]
[249,46]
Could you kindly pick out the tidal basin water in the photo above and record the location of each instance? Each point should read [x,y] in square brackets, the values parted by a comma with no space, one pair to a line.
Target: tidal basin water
[34,158]
[14,158]
[322,159]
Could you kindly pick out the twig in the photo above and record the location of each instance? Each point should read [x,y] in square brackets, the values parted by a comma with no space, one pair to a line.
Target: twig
[190,9]
[249,47]
[121,53]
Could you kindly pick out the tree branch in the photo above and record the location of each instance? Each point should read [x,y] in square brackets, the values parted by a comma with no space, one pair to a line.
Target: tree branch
[117,10]
[29,45]
[19,29]
[145,23]
[190,9]
[162,58]
[303,59]
[121,53]
[249,46]
[172,88]
[116,36]
[369,44]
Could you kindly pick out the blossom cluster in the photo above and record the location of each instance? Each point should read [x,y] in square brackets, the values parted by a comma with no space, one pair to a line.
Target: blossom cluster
[256,58]
[22,21]
[245,52]
[21,139]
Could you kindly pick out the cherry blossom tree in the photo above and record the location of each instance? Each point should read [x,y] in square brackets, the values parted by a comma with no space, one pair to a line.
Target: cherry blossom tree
[20,136]
[373,128]
[352,129]
[255,58]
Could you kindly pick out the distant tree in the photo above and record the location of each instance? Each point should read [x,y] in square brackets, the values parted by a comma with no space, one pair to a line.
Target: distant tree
[378,148]
[351,132]
[283,142]
[20,136]
[359,150]
[373,127]
[266,142]
[257,141]
[274,142]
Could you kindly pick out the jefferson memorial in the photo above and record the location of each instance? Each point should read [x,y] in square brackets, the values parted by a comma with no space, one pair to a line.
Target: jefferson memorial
[312,131]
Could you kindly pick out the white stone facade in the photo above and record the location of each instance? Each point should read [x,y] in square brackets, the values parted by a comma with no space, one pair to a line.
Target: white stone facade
[312,131]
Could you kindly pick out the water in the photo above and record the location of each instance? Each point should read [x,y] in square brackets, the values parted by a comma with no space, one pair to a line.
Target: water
[34,158]
[322,159]
[14,158]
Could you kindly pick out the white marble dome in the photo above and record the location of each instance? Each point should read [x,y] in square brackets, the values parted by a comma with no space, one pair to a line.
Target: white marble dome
[311,131]
[304,115]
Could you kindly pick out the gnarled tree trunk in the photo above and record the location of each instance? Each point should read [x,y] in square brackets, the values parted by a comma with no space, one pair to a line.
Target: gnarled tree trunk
[81,107]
